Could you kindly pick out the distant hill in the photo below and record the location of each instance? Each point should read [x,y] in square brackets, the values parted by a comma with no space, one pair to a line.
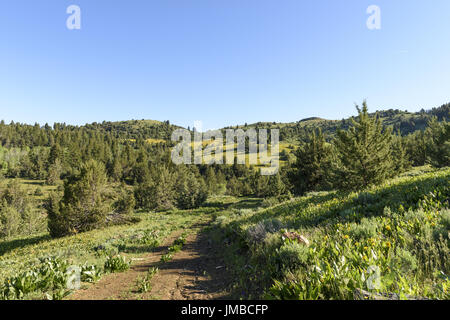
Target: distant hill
[403,121]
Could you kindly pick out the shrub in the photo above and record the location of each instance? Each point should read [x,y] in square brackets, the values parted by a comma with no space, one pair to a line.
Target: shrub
[18,214]
[291,256]
[404,261]
[367,228]
[125,203]
[50,277]
[10,220]
[257,233]
[167,257]
[191,191]
[116,263]
[83,206]
[90,273]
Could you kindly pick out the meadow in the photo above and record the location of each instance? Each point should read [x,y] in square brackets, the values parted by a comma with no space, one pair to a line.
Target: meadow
[390,241]
[36,267]
[387,241]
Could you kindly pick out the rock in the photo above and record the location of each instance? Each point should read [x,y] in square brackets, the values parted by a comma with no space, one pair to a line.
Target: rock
[297,237]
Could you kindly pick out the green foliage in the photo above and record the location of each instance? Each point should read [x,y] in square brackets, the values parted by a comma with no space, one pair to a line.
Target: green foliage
[117,263]
[365,229]
[144,284]
[401,159]
[83,206]
[90,273]
[291,256]
[167,257]
[18,212]
[391,240]
[50,277]
[126,202]
[176,246]
[190,191]
[313,161]
[364,152]
[439,148]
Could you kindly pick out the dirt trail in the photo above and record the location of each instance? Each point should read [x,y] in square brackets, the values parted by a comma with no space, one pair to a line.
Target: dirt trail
[194,273]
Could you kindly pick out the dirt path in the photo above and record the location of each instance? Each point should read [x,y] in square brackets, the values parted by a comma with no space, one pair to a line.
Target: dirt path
[194,273]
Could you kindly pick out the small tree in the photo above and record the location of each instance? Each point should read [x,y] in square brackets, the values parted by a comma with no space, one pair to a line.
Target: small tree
[402,160]
[125,202]
[54,173]
[10,220]
[191,191]
[313,161]
[364,152]
[83,206]
[438,149]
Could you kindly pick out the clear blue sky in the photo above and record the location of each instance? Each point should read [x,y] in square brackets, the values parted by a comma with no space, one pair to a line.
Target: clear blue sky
[223,62]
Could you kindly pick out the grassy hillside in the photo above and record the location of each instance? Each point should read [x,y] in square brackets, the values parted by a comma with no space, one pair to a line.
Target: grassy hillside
[391,239]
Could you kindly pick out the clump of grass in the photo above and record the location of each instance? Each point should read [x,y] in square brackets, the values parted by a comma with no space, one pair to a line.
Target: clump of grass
[176,246]
[364,230]
[144,284]
[166,257]
[117,263]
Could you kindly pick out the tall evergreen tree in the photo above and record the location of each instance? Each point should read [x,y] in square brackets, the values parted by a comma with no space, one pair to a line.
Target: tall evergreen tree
[364,152]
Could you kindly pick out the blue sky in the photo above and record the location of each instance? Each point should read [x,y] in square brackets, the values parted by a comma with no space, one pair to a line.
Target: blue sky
[223,62]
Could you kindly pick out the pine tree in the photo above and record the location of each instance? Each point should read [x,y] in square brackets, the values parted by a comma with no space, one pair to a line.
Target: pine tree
[276,186]
[438,149]
[191,191]
[313,159]
[402,161]
[364,152]
[83,206]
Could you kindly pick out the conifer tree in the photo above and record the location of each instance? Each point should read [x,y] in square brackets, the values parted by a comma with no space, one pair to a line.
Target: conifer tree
[438,149]
[400,156]
[364,152]
[83,206]
[190,191]
[313,160]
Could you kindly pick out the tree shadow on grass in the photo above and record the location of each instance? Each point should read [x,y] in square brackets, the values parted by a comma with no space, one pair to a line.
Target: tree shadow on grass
[9,245]
[196,259]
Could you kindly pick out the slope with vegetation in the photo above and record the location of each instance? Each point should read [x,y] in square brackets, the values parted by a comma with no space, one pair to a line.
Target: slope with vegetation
[391,239]
[338,218]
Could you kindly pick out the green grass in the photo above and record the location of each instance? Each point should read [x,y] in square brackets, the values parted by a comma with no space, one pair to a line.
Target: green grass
[18,255]
[399,229]
[30,187]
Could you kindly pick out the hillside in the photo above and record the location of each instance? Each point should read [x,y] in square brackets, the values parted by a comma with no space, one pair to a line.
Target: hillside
[389,240]
[403,121]
[330,245]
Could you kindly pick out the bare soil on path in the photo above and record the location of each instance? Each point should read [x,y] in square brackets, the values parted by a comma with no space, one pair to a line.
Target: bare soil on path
[195,273]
